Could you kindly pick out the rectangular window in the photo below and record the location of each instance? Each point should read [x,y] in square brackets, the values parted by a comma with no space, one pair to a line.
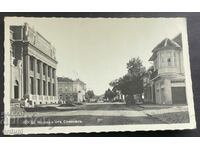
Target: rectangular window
[32,91]
[48,71]
[44,71]
[38,66]
[53,70]
[169,61]
[44,88]
[54,91]
[31,63]
[38,86]
[49,88]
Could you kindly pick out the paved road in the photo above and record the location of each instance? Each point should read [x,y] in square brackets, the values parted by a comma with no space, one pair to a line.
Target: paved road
[108,114]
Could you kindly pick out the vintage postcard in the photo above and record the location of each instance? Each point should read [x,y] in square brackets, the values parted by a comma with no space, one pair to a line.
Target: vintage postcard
[72,75]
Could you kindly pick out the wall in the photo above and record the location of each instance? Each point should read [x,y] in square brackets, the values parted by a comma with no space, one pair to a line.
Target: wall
[164,66]
[163,91]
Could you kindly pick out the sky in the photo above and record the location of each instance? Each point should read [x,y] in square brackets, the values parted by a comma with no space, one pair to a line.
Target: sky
[96,50]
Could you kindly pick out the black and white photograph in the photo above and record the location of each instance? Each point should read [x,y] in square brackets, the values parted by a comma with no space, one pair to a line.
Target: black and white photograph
[71,75]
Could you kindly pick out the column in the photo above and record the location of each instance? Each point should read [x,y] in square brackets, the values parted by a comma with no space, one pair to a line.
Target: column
[46,77]
[41,78]
[51,83]
[27,83]
[55,82]
[35,77]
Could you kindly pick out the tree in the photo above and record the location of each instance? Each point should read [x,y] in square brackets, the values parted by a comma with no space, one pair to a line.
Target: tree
[135,67]
[89,94]
[109,94]
[131,83]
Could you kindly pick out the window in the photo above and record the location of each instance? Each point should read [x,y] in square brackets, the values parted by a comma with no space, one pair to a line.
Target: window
[168,58]
[38,66]
[49,88]
[54,91]
[44,72]
[38,86]
[53,71]
[44,88]
[31,63]
[32,92]
[169,62]
[16,89]
[48,71]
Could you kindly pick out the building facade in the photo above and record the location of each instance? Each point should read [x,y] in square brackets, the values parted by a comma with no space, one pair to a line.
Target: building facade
[165,84]
[33,67]
[119,97]
[79,87]
[71,90]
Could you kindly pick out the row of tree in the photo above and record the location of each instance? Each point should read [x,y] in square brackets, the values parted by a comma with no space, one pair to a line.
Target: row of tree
[130,84]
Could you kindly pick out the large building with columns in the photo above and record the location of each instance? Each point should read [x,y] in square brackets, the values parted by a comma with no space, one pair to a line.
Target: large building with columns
[33,67]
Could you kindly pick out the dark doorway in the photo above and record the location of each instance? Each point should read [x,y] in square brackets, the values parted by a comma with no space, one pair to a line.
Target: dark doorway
[16,90]
[179,95]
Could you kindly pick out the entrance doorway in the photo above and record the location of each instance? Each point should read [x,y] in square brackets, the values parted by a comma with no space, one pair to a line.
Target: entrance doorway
[16,90]
[179,95]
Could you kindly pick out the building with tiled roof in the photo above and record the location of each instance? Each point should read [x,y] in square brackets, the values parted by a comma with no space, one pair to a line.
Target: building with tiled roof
[71,90]
[167,78]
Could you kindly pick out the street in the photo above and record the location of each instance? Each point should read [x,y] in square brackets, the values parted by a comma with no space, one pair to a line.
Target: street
[104,114]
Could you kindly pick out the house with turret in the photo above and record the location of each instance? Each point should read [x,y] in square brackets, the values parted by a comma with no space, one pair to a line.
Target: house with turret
[165,82]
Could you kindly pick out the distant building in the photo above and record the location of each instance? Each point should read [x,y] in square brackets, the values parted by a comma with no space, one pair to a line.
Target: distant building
[71,91]
[33,67]
[119,96]
[80,88]
[166,83]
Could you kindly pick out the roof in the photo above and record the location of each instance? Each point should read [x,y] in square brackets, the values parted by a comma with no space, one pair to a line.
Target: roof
[64,79]
[175,43]
[178,39]
[78,80]
[167,44]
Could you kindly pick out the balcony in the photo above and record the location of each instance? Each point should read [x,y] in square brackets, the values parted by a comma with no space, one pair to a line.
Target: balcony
[43,98]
